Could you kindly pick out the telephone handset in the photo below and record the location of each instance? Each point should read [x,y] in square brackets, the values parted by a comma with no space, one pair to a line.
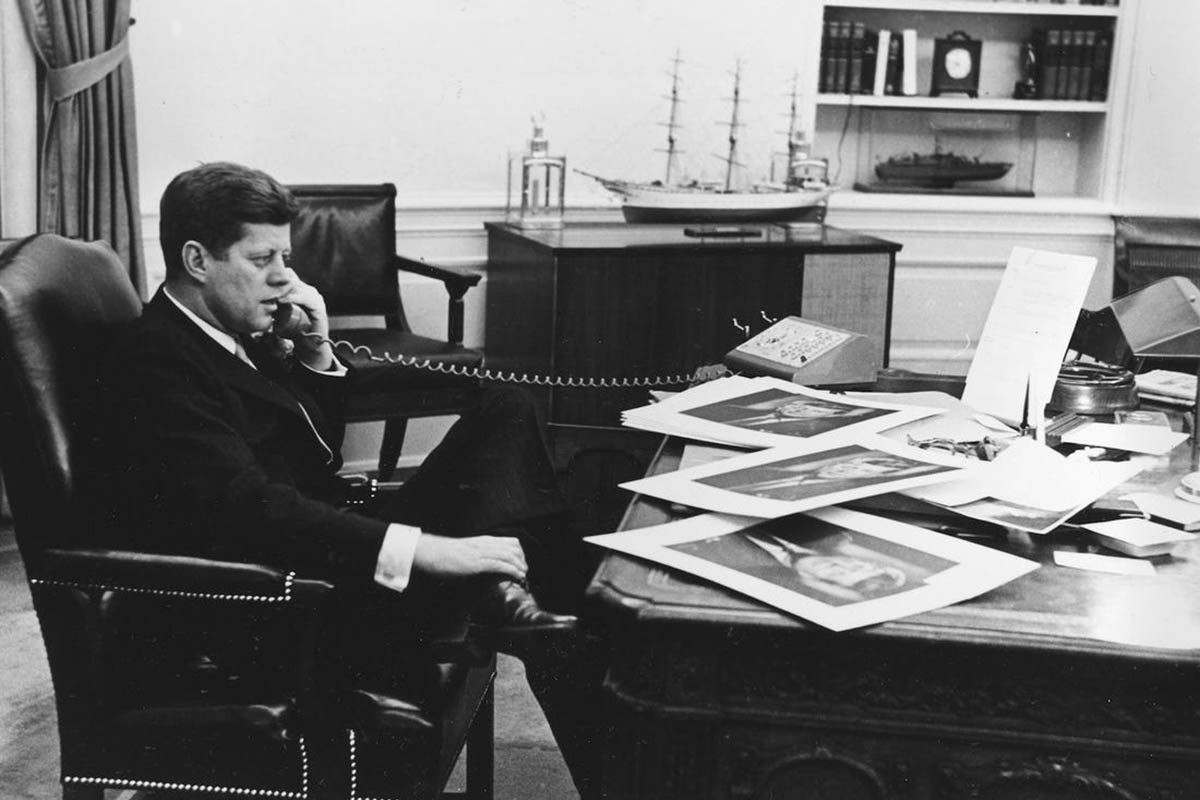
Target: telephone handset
[291,321]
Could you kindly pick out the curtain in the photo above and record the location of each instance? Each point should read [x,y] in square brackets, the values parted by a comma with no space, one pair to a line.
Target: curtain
[87,177]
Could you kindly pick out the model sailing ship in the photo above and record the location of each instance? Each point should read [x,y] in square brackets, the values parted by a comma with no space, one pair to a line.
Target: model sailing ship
[799,197]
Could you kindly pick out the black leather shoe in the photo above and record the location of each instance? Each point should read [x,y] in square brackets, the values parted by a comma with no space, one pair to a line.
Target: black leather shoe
[510,620]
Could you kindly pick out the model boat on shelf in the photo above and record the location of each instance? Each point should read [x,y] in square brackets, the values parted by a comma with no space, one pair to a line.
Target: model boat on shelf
[939,169]
[799,197]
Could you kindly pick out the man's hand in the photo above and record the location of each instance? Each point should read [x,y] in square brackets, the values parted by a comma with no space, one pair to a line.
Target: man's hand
[474,555]
[310,347]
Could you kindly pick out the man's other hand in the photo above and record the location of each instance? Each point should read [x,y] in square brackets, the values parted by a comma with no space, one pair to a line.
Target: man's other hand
[474,555]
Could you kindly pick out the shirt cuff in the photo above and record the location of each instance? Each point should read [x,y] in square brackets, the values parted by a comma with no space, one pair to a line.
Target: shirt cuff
[394,565]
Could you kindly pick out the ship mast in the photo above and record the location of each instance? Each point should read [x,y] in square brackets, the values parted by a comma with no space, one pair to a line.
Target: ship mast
[797,143]
[672,124]
[731,159]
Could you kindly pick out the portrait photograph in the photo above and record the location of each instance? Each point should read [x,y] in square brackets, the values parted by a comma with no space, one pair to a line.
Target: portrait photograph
[785,413]
[768,412]
[805,475]
[830,563]
[834,567]
[826,472]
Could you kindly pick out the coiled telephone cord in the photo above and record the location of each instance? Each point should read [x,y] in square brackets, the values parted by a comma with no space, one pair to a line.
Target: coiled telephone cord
[701,374]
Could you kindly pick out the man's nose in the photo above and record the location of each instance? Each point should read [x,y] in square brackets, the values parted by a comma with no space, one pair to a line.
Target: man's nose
[280,273]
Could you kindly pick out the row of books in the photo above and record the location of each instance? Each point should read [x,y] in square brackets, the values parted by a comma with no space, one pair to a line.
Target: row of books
[855,60]
[1074,63]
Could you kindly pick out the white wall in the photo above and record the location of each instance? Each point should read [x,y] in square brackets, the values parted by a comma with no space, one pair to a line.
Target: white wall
[1160,170]
[431,94]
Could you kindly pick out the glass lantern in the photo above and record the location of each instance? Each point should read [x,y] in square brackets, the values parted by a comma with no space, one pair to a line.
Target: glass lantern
[536,184]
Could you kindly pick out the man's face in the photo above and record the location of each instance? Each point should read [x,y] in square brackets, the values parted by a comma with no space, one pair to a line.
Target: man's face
[842,570]
[807,409]
[858,468]
[243,288]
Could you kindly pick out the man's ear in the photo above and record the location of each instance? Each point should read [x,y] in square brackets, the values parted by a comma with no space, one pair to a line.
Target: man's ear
[195,260]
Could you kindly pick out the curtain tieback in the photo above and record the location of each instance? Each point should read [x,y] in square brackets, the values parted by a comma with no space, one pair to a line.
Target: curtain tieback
[64,82]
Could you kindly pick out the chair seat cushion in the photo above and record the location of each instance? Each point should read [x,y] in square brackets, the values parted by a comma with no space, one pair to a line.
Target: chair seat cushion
[383,376]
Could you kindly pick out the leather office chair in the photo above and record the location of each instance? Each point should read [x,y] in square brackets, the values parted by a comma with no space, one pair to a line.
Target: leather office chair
[344,243]
[183,674]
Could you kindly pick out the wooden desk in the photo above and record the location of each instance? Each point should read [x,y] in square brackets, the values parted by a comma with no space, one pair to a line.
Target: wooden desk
[633,301]
[1051,686]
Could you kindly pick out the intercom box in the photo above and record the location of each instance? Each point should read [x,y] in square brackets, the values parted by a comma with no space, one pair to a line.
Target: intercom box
[806,352]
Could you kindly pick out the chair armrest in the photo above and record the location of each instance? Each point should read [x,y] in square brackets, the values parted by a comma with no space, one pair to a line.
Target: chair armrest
[459,279]
[182,576]
[457,283]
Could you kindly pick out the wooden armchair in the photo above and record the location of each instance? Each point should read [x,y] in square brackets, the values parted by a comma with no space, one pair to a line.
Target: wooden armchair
[183,674]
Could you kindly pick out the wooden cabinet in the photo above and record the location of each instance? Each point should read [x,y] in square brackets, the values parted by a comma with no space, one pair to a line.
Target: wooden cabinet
[1058,148]
[642,304]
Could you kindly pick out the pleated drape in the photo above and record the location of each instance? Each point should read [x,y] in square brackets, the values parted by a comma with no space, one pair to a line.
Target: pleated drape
[87,179]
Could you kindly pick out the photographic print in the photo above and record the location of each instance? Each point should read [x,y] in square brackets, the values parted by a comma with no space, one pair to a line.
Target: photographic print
[836,568]
[830,563]
[784,480]
[785,413]
[767,412]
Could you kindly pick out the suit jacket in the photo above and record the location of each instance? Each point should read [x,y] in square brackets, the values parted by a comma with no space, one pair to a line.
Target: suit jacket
[202,454]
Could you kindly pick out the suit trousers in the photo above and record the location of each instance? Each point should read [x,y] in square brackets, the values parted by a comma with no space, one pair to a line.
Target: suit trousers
[491,474]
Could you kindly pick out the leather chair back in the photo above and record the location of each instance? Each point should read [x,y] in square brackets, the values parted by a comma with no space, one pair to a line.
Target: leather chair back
[344,243]
[59,299]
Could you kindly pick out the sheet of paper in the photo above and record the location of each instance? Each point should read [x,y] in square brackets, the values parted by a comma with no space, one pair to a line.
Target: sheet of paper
[1150,439]
[1118,565]
[1032,475]
[1027,331]
[1138,537]
[1181,512]
[695,455]
[837,568]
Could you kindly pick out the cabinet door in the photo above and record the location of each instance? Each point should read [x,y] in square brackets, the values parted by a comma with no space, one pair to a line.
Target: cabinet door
[661,313]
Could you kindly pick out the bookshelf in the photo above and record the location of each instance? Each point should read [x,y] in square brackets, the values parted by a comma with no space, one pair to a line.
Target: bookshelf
[1059,148]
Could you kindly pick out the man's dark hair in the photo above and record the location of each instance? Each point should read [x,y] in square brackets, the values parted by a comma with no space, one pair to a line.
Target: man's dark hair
[210,204]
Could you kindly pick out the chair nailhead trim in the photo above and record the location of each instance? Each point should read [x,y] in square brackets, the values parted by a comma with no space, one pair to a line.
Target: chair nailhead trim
[197,787]
[236,598]
[354,771]
[186,787]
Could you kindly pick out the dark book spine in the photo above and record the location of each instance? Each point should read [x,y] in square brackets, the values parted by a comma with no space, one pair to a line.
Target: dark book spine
[828,34]
[1086,57]
[1064,64]
[1101,56]
[1074,64]
[892,78]
[1050,63]
[854,66]
[841,58]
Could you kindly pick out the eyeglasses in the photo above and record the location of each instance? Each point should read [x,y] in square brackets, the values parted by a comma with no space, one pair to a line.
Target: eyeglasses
[985,449]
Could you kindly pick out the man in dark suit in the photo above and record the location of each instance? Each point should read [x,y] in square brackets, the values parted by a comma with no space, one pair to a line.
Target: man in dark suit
[221,438]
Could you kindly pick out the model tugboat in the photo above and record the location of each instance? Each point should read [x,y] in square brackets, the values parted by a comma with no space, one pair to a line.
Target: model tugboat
[939,169]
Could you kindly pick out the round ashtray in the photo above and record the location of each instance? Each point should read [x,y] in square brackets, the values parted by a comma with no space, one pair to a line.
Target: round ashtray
[1094,389]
